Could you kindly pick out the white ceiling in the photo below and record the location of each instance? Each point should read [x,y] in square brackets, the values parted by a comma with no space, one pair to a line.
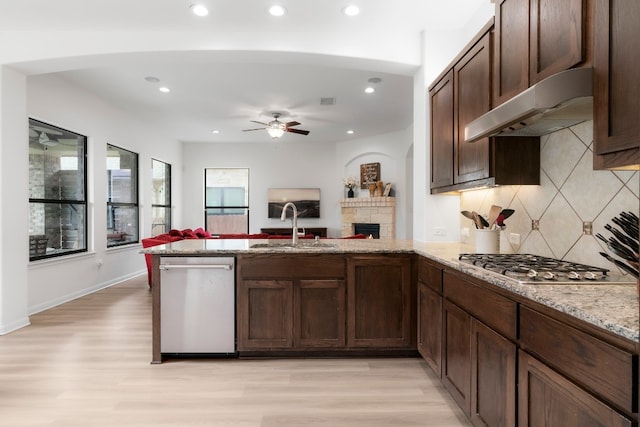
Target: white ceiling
[237,64]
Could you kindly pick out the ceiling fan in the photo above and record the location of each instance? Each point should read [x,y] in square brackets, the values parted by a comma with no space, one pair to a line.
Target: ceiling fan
[276,128]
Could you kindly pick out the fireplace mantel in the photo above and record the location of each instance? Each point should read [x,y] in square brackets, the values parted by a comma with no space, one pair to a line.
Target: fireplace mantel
[371,210]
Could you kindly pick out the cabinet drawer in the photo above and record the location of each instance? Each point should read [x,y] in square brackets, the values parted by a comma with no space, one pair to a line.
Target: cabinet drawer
[606,370]
[291,266]
[490,308]
[430,275]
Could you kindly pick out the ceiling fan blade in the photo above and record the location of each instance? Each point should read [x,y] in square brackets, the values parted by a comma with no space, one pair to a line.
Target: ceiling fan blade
[247,130]
[301,132]
[260,123]
[294,123]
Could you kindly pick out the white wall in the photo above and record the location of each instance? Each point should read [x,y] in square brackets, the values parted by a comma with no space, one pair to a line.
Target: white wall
[53,100]
[290,162]
[436,217]
[13,190]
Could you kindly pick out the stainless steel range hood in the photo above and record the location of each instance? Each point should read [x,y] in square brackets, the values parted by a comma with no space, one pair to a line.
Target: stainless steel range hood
[557,102]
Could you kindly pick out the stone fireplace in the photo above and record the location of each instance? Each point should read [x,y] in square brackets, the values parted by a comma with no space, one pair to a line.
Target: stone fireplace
[369,210]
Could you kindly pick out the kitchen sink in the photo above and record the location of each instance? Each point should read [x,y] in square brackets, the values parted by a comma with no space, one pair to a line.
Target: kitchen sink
[288,245]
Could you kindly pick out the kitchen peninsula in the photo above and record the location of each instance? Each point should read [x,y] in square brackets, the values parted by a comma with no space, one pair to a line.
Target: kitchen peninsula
[480,333]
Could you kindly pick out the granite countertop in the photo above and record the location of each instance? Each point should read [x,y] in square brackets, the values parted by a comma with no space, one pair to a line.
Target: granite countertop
[611,307]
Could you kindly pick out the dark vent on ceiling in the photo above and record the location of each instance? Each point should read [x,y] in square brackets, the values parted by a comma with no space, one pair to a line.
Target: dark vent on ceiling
[328,101]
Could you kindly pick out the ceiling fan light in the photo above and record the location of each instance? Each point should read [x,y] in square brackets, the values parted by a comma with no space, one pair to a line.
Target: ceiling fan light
[199,10]
[275,133]
[351,10]
[277,10]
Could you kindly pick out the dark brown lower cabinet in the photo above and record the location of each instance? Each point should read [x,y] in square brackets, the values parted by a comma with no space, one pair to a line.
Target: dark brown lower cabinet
[380,302]
[456,354]
[319,314]
[286,314]
[547,398]
[430,326]
[265,314]
[493,377]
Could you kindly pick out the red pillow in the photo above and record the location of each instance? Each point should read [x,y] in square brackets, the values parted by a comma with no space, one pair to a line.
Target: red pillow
[174,232]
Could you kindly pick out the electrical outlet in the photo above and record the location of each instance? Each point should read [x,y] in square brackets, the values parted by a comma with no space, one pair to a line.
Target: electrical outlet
[439,231]
[514,239]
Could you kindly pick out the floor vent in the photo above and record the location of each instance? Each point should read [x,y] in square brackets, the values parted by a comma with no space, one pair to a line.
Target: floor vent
[327,101]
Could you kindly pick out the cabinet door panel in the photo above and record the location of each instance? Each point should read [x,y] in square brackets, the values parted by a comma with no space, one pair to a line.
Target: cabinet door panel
[265,318]
[456,357]
[511,66]
[557,36]
[616,85]
[545,398]
[379,302]
[493,378]
[442,132]
[319,314]
[472,88]
[430,326]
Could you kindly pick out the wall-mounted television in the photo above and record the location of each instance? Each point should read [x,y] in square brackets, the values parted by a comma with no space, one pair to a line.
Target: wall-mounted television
[307,201]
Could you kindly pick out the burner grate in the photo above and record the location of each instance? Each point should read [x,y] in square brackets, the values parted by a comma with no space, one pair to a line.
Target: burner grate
[528,267]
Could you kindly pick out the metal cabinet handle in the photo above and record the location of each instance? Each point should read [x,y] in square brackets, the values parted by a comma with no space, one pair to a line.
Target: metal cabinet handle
[196,266]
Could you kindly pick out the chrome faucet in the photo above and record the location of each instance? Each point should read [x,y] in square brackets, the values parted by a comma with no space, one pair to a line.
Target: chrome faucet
[294,221]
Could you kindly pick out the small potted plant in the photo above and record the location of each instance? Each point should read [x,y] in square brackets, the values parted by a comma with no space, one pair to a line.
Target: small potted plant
[350,182]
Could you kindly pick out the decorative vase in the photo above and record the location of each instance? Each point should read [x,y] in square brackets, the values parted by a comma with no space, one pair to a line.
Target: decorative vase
[350,193]
[372,190]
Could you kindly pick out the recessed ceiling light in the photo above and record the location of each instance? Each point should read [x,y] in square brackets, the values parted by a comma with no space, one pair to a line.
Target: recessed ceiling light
[351,132]
[164,89]
[351,10]
[369,89]
[215,131]
[277,10]
[199,9]
[152,79]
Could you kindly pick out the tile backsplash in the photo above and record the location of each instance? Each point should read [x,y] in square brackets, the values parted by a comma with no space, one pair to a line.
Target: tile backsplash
[570,193]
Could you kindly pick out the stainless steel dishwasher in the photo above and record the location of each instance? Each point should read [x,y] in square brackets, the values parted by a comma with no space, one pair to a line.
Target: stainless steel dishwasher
[197,305]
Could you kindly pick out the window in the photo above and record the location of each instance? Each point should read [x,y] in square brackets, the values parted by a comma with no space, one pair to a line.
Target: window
[122,196]
[226,200]
[57,191]
[161,197]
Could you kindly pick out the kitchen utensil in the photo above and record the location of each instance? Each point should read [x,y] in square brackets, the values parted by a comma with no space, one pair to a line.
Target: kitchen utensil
[621,264]
[494,211]
[507,213]
[628,227]
[633,244]
[477,219]
[467,214]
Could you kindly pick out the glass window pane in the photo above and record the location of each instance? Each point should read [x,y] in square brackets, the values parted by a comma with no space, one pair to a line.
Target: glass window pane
[221,221]
[161,220]
[122,175]
[56,229]
[161,183]
[220,181]
[57,191]
[227,200]
[122,225]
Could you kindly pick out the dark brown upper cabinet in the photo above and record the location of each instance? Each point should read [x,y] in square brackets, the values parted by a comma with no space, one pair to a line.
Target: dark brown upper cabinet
[472,94]
[616,85]
[460,95]
[535,39]
[442,136]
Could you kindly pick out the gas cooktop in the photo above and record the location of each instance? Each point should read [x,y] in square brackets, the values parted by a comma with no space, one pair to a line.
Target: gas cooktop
[534,269]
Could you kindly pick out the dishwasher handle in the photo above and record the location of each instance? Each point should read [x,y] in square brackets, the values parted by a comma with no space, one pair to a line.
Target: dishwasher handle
[168,267]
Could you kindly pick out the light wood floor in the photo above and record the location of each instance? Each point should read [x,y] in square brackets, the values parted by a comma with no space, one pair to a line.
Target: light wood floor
[87,363]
